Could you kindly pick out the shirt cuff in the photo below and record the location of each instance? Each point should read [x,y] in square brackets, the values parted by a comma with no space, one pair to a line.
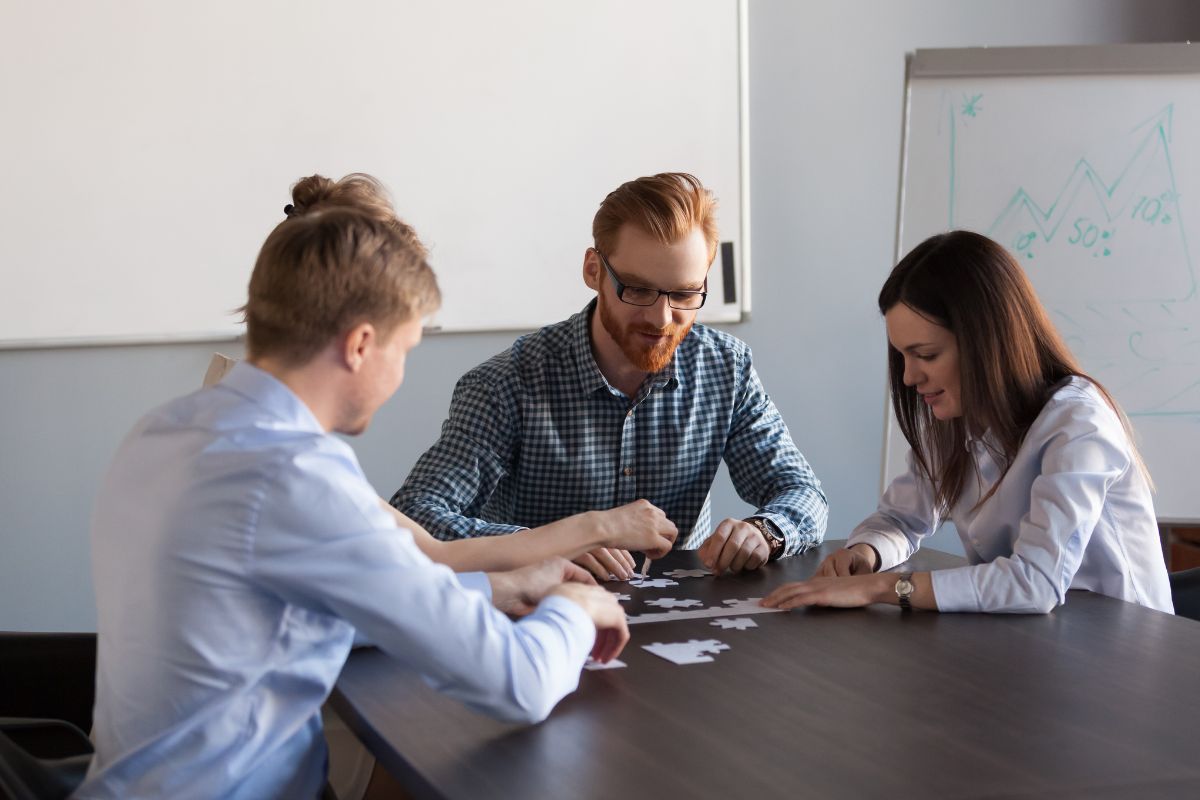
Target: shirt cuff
[793,542]
[476,582]
[954,589]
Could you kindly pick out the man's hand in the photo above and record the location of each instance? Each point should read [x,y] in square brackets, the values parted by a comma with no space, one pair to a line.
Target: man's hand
[734,545]
[640,526]
[518,591]
[607,562]
[860,559]
[612,632]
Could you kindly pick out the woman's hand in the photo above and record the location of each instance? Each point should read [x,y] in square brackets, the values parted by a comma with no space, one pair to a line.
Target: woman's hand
[859,559]
[849,592]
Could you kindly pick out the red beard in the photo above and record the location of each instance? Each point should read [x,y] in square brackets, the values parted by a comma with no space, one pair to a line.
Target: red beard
[646,357]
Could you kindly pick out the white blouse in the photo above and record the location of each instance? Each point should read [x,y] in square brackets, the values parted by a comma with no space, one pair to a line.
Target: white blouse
[1073,512]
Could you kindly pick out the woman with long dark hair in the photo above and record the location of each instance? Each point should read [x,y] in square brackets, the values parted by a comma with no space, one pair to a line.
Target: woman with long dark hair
[1032,459]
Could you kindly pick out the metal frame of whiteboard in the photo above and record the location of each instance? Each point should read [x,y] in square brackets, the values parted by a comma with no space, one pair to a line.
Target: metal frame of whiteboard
[724,313]
[1179,58]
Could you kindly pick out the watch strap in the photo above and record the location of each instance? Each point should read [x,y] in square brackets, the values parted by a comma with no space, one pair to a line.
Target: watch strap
[775,540]
[904,591]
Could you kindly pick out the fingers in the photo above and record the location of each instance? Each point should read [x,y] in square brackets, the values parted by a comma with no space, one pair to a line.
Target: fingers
[627,557]
[611,640]
[667,531]
[654,533]
[613,564]
[742,557]
[573,573]
[740,544]
[790,595]
[843,592]
[602,650]
[710,552]
[837,565]
[589,562]
[664,539]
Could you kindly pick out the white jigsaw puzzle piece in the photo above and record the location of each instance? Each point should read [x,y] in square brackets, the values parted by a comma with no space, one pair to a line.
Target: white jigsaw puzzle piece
[687,573]
[694,651]
[747,605]
[731,608]
[593,664]
[652,583]
[673,602]
[734,623]
[621,598]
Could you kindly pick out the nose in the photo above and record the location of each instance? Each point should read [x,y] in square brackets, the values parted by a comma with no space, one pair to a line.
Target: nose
[660,314]
[913,376]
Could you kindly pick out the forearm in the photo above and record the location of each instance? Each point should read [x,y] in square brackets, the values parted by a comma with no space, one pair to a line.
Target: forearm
[568,538]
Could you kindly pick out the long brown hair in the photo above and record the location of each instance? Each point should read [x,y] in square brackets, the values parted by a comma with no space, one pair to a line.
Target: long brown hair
[1010,356]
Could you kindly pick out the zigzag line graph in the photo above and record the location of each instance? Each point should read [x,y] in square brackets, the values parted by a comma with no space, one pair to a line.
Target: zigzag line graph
[1108,254]
[1113,198]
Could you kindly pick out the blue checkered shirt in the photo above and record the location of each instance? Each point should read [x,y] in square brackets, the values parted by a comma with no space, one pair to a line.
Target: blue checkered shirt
[536,434]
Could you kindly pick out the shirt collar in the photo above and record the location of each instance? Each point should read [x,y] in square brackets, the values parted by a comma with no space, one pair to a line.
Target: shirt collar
[272,394]
[588,372]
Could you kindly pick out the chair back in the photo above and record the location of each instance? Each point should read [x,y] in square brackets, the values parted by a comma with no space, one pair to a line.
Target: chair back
[1185,593]
[25,777]
[49,676]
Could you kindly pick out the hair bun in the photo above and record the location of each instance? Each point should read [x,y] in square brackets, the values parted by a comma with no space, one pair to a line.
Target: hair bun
[310,193]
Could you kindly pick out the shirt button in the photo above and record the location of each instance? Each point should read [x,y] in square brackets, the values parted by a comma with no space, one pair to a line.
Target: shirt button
[628,471]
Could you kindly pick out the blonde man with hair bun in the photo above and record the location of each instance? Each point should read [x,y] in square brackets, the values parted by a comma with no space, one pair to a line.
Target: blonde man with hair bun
[238,548]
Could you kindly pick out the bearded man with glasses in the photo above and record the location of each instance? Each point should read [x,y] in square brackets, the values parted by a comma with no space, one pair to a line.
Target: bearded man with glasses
[627,400]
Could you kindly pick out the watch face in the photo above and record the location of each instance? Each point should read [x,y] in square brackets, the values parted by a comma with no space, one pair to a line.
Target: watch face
[904,587]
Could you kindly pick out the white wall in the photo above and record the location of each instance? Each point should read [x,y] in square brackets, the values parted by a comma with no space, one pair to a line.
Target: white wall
[826,82]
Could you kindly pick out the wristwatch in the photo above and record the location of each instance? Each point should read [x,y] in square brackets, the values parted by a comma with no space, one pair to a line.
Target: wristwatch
[774,540]
[904,591]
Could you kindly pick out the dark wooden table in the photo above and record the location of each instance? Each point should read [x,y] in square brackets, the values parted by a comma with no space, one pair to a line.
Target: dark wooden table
[1099,699]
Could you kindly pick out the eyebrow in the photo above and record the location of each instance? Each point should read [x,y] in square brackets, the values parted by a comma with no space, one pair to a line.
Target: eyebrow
[692,288]
[913,347]
[636,284]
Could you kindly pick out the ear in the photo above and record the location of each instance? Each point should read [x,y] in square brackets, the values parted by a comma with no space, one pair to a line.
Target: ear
[592,269]
[356,345]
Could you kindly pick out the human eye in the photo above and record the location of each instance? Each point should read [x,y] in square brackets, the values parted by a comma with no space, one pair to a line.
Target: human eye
[686,299]
[640,295]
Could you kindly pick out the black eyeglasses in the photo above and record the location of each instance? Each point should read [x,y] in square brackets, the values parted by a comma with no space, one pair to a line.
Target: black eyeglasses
[682,299]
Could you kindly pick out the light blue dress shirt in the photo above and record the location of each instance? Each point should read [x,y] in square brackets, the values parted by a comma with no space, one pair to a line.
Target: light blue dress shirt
[236,549]
[1073,512]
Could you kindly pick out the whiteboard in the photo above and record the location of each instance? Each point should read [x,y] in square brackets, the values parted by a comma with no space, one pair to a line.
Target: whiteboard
[1085,163]
[149,147]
